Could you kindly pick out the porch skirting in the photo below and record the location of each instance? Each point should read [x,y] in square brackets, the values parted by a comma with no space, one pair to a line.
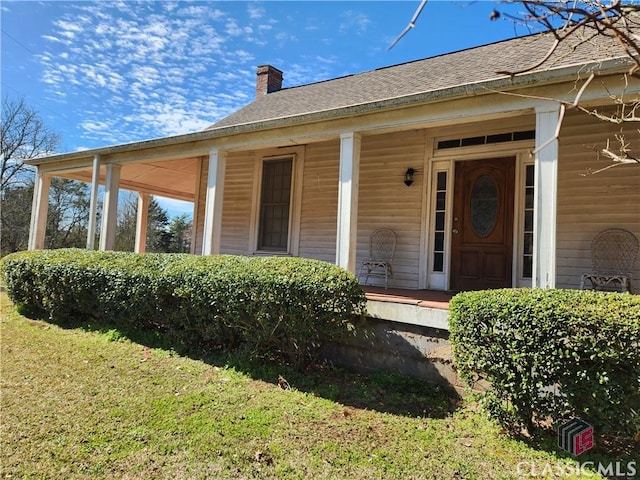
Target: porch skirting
[404,331]
[418,351]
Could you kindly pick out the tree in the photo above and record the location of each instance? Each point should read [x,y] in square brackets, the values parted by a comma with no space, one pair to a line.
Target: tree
[157,224]
[66,219]
[574,23]
[16,203]
[588,23]
[126,223]
[180,234]
[68,215]
[23,135]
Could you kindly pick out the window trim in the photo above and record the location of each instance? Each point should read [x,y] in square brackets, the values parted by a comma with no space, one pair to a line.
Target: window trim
[524,161]
[275,170]
[440,280]
[297,157]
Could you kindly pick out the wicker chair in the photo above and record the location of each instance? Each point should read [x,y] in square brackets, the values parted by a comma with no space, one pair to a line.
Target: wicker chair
[613,253]
[382,248]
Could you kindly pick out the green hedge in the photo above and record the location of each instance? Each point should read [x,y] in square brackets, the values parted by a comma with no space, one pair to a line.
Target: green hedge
[552,354]
[271,306]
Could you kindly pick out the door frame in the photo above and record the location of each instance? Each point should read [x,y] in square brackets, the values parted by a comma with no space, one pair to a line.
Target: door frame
[446,163]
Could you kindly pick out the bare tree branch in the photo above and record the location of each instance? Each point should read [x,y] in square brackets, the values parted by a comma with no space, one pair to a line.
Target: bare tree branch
[23,135]
[551,51]
[412,23]
[573,20]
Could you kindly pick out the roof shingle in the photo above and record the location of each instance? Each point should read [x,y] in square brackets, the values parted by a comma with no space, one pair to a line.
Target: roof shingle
[441,72]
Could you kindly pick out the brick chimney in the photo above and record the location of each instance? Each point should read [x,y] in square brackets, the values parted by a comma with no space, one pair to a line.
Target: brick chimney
[268,79]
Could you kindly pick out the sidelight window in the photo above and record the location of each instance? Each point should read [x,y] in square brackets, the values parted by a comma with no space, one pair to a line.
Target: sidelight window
[527,248]
[440,222]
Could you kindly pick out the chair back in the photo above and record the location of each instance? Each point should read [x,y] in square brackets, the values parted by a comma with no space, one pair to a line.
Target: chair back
[614,251]
[382,245]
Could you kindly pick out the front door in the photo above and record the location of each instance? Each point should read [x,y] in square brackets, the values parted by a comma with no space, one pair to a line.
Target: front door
[482,234]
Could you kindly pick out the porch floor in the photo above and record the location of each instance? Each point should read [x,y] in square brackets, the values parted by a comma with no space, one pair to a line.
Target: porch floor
[420,298]
[427,308]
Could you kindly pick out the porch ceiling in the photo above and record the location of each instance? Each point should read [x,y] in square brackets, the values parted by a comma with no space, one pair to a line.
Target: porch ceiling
[169,178]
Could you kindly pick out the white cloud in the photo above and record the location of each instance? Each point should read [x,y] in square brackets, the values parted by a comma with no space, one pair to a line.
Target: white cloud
[325,60]
[55,39]
[147,69]
[232,28]
[94,126]
[255,12]
[68,26]
[145,74]
[354,21]
[309,72]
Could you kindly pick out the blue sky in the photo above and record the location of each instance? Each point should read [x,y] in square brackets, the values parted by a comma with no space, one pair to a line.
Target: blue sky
[102,73]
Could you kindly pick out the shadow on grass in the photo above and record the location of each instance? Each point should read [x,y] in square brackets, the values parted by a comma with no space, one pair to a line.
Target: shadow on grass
[383,391]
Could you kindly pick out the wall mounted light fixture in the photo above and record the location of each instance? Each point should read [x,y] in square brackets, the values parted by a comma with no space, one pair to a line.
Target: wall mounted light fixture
[408,176]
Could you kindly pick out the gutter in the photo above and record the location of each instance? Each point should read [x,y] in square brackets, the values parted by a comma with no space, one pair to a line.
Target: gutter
[611,66]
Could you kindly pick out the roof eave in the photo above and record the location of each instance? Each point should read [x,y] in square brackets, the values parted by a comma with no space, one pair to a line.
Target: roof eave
[504,83]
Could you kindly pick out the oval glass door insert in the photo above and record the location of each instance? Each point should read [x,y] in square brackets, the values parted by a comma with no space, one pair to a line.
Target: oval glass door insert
[484,205]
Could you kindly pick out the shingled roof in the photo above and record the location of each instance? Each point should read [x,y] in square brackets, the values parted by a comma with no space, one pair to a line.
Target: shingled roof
[439,73]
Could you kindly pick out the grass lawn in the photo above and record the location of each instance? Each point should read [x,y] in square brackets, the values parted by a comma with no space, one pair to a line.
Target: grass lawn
[88,402]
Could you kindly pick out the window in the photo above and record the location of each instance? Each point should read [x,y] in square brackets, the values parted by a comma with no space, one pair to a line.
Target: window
[485,205]
[440,220]
[487,140]
[275,205]
[527,248]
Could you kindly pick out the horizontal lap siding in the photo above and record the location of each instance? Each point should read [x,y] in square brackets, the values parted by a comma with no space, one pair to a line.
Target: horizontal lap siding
[236,210]
[588,204]
[318,219]
[385,202]
[236,207]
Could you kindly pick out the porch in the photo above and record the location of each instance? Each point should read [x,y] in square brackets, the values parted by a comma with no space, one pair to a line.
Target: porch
[425,308]
[406,331]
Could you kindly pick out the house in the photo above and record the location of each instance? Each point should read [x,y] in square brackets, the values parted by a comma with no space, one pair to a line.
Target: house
[497,198]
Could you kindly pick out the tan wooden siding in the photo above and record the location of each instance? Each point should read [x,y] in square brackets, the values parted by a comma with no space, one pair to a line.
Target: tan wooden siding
[236,206]
[236,209]
[318,218]
[588,204]
[385,202]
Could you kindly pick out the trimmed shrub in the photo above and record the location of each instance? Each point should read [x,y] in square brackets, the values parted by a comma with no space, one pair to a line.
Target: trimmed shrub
[281,307]
[552,354]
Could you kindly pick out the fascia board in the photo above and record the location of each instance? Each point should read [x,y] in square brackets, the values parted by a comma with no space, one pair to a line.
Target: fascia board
[504,83]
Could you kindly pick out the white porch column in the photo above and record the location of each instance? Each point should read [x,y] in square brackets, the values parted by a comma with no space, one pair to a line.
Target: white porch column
[93,205]
[195,219]
[141,222]
[39,211]
[349,181]
[213,205]
[110,208]
[546,194]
